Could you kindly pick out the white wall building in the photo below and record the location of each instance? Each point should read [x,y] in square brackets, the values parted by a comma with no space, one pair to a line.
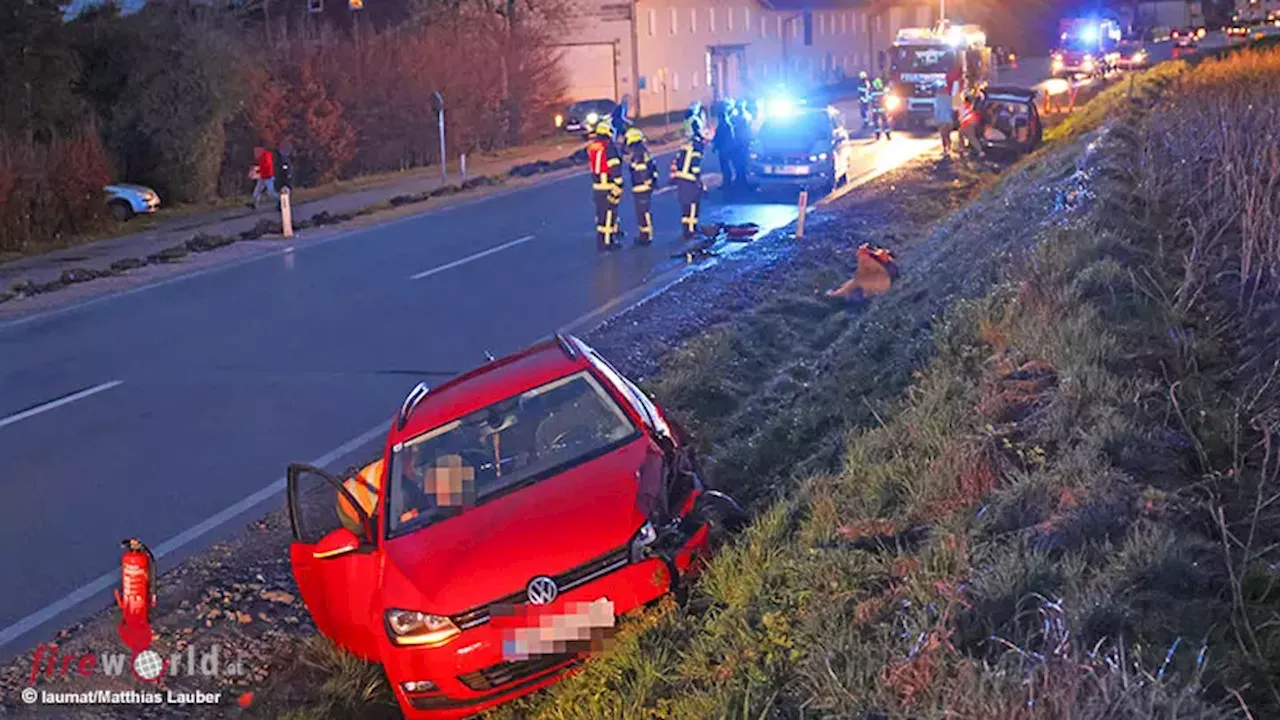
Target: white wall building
[665,54]
[1169,14]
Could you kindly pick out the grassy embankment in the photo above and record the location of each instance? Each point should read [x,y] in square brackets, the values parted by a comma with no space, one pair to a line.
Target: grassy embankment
[1073,509]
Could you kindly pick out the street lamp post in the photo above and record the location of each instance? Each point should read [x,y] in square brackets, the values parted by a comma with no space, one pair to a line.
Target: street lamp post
[439,101]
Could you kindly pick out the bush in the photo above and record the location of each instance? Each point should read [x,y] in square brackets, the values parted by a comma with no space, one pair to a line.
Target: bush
[51,191]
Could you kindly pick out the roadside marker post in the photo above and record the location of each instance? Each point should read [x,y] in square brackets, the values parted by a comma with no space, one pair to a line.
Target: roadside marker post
[286,213]
[804,206]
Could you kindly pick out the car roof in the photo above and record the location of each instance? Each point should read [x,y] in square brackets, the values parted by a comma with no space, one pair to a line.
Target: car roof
[1010,92]
[490,383]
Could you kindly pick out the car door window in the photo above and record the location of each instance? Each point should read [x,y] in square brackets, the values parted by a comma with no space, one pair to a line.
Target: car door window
[320,504]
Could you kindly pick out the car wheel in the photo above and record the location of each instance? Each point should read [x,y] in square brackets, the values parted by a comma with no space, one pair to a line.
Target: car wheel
[121,210]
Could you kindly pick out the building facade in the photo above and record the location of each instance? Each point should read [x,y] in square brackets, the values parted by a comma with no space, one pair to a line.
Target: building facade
[665,54]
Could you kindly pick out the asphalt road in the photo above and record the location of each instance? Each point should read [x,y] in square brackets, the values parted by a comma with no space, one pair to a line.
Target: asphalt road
[170,413]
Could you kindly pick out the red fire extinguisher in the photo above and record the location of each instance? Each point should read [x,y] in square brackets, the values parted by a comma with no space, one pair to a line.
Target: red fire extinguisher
[137,594]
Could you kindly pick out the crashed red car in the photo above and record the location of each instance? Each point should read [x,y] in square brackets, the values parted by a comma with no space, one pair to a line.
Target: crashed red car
[517,511]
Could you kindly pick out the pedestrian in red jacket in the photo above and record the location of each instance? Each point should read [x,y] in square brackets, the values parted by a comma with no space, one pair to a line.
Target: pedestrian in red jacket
[264,172]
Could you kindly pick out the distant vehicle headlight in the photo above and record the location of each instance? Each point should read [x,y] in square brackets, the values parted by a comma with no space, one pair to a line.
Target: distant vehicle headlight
[892,102]
[593,118]
[559,120]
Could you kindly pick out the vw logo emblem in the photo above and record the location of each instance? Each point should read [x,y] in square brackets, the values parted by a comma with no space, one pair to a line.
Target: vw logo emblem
[542,590]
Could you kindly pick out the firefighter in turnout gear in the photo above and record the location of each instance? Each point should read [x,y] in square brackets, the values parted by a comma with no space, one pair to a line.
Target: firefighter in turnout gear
[606,186]
[644,179]
[686,172]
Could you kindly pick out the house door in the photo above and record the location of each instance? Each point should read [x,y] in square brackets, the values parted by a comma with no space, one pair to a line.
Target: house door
[726,68]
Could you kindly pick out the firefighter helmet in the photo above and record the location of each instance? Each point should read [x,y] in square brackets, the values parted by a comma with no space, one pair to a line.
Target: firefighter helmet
[604,129]
[634,135]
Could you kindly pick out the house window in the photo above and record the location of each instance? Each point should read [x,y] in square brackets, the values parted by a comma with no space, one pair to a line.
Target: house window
[746,19]
[879,23]
[693,21]
[764,26]
[844,23]
[653,23]
[728,19]
[706,70]
[864,22]
[675,81]
[675,21]
[795,29]
[779,26]
[711,20]
[693,81]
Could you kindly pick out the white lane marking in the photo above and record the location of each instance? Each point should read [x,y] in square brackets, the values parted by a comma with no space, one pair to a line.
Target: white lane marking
[59,402]
[666,189]
[469,258]
[106,580]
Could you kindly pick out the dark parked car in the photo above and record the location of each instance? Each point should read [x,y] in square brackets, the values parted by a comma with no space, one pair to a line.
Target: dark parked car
[1010,120]
[582,116]
[807,147]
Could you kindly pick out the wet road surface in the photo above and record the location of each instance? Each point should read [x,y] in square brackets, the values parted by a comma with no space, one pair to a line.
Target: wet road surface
[166,414]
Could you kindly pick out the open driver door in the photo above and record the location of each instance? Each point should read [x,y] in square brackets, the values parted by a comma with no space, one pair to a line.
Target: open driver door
[334,556]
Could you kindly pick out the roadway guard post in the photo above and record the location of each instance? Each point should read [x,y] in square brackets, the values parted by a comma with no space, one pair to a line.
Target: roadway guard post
[804,205]
[286,213]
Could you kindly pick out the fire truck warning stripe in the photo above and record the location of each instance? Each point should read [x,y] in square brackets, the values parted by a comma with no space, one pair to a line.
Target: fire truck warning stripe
[64,400]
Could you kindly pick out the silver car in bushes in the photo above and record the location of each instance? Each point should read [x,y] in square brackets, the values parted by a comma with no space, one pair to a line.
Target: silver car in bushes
[126,200]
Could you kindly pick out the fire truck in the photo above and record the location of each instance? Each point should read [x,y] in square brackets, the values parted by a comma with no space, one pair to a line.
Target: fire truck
[923,59]
[1086,46]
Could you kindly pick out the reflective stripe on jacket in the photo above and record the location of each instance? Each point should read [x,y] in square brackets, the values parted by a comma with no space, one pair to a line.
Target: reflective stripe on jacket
[642,171]
[606,165]
[363,487]
[687,164]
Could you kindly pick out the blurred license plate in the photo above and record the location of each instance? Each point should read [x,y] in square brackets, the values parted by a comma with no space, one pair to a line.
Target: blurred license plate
[786,169]
[552,634]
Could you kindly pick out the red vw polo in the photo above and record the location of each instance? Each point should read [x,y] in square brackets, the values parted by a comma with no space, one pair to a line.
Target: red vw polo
[516,512]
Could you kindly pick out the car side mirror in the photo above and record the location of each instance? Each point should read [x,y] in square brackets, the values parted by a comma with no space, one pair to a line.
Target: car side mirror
[336,544]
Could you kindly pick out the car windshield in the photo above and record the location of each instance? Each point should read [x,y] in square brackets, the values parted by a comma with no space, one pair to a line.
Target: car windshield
[924,60]
[795,133]
[500,448]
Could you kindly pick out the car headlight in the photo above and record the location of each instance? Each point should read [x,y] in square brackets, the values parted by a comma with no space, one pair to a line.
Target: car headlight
[813,158]
[592,118]
[410,627]
[892,102]
[755,156]
[559,121]
[646,536]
